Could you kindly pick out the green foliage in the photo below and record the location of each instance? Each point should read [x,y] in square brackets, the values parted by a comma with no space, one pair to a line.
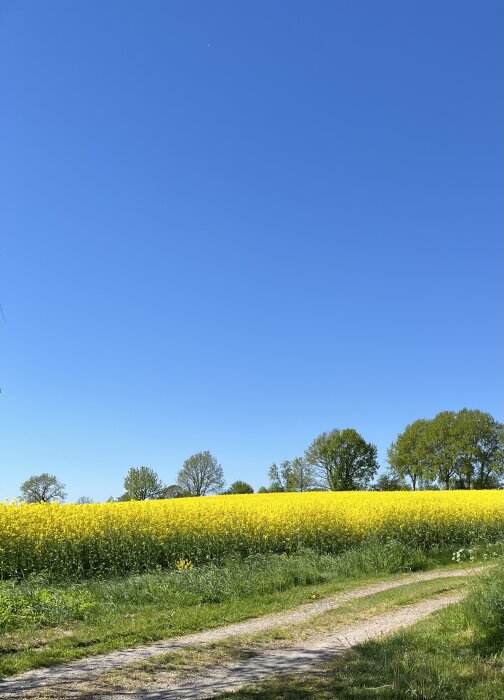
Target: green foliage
[440,447]
[264,573]
[141,484]
[484,610]
[480,460]
[291,475]
[455,450]
[343,460]
[173,491]
[239,487]
[37,603]
[377,557]
[42,489]
[32,605]
[406,456]
[201,474]
[389,482]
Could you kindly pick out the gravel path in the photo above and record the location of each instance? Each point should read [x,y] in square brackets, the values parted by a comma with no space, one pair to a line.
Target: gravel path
[84,669]
[293,659]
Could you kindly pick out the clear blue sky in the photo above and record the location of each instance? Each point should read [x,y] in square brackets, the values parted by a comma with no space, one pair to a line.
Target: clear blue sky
[233,225]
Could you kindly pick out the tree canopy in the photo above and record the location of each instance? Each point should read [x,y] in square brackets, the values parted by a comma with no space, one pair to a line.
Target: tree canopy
[291,475]
[201,474]
[406,456]
[141,484]
[239,487]
[43,488]
[463,449]
[173,491]
[388,482]
[343,460]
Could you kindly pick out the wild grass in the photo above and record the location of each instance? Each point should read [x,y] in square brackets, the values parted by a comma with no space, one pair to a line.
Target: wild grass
[194,660]
[456,653]
[37,602]
[48,622]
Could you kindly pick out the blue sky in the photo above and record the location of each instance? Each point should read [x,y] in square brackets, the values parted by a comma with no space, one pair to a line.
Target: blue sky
[233,225]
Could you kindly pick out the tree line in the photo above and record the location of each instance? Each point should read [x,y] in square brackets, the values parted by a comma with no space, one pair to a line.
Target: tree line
[201,474]
[453,450]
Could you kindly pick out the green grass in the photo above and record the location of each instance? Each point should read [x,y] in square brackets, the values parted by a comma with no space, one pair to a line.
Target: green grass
[47,623]
[457,653]
[194,660]
[37,603]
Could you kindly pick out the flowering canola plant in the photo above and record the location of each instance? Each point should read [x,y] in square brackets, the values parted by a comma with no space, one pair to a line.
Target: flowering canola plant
[104,538]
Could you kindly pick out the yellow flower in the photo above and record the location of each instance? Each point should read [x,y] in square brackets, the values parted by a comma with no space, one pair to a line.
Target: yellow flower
[109,538]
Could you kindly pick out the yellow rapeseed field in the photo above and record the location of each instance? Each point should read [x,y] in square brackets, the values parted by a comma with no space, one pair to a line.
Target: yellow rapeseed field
[141,535]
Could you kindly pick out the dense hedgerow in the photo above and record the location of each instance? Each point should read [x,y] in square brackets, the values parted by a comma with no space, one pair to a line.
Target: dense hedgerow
[99,539]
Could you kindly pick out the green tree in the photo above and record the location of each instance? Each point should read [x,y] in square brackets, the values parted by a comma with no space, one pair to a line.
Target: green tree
[280,477]
[239,487]
[390,482]
[302,473]
[44,488]
[141,484]
[201,474]
[343,460]
[463,449]
[427,451]
[407,456]
[83,500]
[173,491]
[480,458]
[442,447]
[291,475]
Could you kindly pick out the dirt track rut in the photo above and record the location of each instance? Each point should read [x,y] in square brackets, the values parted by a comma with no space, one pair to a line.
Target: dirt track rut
[85,669]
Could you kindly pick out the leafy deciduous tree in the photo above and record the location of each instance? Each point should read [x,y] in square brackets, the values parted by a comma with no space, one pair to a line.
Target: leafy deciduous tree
[239,487]
[406,456]
[389,482]
[441,447]
[291,475]
[43,489]
[343,460]
[173,491]
[141,484]
[201,474]
[463,449]
[480,460]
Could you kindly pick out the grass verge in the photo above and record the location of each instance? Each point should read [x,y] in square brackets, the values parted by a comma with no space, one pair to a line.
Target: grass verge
[168,668]
[47,624]
[456,653]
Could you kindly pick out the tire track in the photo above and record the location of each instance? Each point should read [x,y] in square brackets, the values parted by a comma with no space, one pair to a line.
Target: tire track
[84,669]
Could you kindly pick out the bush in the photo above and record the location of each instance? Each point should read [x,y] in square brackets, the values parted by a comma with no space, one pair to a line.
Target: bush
[31,605]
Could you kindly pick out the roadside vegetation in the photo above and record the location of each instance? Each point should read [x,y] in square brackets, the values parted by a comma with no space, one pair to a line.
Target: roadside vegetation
[455,653]
[191,663]
[46,623]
